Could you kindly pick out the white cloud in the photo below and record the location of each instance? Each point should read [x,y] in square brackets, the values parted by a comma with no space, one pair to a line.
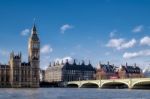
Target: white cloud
[129,55]
[46,49]
[64,59]
[138,29]
[145,41]
[65,27]
[129,44]
[112,33]
[25,32]
[121,43]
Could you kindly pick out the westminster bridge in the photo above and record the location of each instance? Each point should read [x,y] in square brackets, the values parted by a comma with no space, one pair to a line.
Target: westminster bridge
[132,83]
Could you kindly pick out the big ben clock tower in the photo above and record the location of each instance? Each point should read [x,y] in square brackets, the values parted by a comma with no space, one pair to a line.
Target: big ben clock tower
[34,57]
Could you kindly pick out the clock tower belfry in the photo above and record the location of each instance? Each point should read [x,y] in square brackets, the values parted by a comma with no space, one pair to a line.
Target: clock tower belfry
[34,57]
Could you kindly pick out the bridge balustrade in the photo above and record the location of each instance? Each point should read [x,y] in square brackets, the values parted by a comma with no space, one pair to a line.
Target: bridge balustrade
[132,83]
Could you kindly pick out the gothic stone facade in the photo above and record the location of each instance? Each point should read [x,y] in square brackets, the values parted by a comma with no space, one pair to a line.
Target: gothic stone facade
[64,72]
[19,74]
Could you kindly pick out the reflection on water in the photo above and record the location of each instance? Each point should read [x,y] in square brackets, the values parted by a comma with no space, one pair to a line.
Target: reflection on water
[63,93]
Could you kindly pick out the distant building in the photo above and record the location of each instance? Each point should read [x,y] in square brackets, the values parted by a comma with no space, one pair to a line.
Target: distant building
[61,72]
[130,71]
[42,75]
[106,71]
[19,74]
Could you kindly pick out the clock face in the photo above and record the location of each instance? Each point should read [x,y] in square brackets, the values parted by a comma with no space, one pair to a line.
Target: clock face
[35,46]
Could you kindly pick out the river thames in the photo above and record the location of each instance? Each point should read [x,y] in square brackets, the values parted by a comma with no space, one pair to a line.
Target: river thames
[70,93]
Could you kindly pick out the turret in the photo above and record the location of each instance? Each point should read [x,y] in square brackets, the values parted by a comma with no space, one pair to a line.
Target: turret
[50,64]
[134,64]
[126,64]
[74,62]
[57,63]
[54,64]
[15,65]
[99,64]
[62,62]
[83,63]
[16,57]
[11,55]
[67,61]
[89,63]
[20,54]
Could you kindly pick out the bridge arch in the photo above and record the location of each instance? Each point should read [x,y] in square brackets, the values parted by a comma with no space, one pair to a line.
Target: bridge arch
[141,85]
[115,85]
[72,85]
[90,85]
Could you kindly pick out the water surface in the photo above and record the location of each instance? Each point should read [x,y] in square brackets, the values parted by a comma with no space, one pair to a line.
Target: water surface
[77,93]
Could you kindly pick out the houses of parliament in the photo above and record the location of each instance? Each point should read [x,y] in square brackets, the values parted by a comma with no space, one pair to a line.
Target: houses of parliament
[18,74]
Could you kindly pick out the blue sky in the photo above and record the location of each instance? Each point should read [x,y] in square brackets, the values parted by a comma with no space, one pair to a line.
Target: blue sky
[98,30]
